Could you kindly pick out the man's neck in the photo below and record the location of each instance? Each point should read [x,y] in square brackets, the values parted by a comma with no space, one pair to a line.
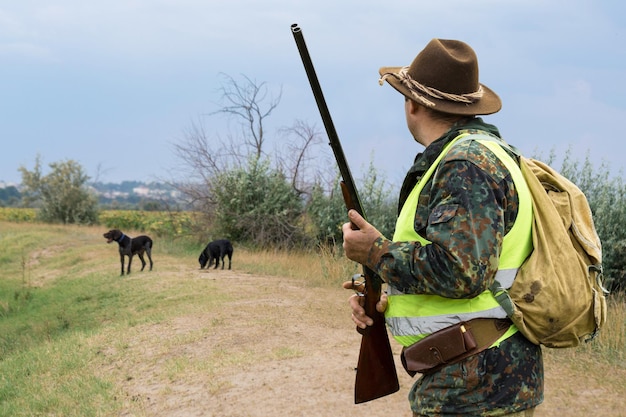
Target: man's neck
[432,130]
[438,128]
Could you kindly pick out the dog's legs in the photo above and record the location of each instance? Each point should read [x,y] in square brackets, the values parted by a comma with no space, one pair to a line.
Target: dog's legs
[143,262]
[223,255]
[122,262]
[229,260]
[149,253]
[130,260]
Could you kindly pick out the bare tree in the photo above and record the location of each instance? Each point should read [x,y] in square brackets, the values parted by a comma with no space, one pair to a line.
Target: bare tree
[250,104]
[203,158]
[298,157]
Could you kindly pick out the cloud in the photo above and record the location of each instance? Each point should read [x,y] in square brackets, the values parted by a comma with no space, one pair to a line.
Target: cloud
[90,77]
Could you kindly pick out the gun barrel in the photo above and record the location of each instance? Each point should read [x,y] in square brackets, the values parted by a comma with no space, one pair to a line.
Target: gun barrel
[376,373]
[334,142]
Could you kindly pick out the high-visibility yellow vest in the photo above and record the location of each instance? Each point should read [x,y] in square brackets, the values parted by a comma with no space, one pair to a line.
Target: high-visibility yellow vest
[411,317]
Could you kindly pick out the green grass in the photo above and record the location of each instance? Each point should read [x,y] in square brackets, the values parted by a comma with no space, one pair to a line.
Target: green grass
[52,378]
[59,286]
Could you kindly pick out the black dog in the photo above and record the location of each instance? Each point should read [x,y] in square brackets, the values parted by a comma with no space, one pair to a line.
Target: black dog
[130,247]
[216,250]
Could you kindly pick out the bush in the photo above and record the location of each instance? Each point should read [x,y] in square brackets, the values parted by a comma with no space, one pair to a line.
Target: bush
[327,212]
[18,215]
[157,223]
[62,195]
[256,204]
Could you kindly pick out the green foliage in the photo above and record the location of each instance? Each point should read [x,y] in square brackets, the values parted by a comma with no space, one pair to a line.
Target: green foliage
[327,212]
[62,195]
[379,202]
[157,223]
[256,204]
[18,214]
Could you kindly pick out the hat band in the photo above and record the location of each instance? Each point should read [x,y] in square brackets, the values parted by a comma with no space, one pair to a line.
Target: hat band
[416,88]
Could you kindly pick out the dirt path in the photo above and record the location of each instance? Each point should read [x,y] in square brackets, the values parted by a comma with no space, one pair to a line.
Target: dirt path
[276,348]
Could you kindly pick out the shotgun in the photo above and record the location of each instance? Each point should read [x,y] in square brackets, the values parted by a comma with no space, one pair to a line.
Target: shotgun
[376,374]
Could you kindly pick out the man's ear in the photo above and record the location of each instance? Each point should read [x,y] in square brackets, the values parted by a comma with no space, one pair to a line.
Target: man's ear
[412,106]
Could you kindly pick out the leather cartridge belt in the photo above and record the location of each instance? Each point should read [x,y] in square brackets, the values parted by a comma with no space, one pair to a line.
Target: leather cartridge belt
[452,344]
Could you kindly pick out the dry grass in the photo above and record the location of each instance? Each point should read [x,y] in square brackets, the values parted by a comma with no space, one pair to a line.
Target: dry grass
[323,268]
[590,380]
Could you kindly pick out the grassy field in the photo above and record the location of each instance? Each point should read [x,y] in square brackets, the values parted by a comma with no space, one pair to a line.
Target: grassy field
[76,339]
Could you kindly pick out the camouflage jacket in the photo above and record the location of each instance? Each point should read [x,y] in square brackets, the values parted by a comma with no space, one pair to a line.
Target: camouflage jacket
[465,210]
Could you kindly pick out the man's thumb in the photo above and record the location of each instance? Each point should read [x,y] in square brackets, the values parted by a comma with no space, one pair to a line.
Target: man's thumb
[356,219]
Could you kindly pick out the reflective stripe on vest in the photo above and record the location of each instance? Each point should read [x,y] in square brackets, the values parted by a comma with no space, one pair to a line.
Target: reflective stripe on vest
[411,317]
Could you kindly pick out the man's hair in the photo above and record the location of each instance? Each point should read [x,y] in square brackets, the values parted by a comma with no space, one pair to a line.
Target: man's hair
[446,117]
[441,116]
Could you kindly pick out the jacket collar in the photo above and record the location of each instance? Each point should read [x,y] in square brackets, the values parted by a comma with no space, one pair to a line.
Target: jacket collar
[424,159]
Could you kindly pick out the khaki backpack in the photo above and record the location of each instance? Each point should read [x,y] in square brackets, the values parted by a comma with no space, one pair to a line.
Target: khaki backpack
[557,298]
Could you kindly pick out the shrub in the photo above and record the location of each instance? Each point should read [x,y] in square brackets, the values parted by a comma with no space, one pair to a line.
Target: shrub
[256,204]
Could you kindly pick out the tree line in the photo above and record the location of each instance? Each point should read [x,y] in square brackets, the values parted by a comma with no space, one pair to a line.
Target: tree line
[126,195]
[289,198]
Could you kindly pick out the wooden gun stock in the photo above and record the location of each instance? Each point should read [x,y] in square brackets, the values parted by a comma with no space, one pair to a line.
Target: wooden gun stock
[376,374]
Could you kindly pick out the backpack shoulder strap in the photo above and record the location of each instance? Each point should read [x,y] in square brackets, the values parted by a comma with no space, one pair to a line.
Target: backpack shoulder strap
[492,138]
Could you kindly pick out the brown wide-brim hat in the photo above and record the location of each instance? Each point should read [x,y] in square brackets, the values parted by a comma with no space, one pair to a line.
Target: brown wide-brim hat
[444,77]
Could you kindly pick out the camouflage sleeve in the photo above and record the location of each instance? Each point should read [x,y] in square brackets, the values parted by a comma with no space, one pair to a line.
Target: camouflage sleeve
[463,216]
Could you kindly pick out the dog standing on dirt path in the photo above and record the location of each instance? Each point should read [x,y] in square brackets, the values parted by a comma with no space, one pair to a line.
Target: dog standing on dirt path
[216,250]
[130,247]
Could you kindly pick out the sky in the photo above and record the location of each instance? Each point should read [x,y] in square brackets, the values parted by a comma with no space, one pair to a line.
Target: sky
[115,84]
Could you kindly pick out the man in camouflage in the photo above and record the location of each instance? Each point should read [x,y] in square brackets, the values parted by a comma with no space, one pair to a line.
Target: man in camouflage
[464,209]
